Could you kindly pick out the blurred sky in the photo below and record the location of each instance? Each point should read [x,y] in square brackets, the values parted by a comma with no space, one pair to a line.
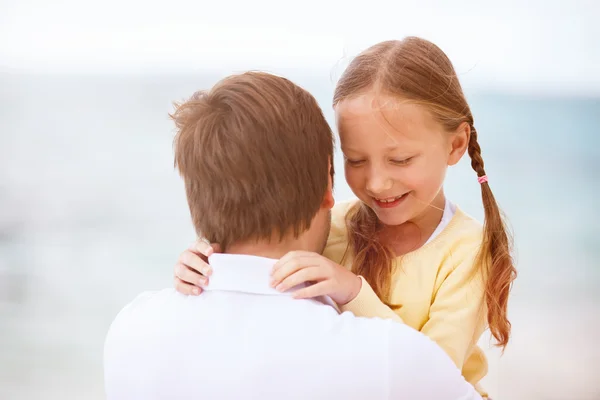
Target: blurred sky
[540,46]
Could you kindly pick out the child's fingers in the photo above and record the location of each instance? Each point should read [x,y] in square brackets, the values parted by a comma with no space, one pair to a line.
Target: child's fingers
[286,267]
[190,276]
[285,271]
[318,289]
[310,274]
[195,262]
[202,247]
[186,288]
[295,255]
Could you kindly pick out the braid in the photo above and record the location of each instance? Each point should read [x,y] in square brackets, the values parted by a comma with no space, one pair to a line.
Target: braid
[475,153]
[494,254]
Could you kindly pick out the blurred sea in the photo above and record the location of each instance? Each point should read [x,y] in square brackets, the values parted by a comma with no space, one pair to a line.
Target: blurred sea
[92,212]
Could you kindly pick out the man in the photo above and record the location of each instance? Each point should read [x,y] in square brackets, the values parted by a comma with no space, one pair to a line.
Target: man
[255,153]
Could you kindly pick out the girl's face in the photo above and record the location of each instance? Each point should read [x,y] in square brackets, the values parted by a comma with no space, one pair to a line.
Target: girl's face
[396,155]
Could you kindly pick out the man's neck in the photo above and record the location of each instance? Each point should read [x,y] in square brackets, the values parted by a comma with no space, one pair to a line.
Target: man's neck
[272,249]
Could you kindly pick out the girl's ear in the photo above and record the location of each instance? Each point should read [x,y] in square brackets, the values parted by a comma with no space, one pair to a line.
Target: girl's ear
[459,142]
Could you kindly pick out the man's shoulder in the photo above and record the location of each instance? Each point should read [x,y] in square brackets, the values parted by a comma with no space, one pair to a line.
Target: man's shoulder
[379,327]
[150,299]
[153,310]
[416,365]
[144,308]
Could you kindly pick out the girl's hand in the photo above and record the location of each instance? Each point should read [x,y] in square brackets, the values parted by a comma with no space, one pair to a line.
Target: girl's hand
[324,276]
[191,271]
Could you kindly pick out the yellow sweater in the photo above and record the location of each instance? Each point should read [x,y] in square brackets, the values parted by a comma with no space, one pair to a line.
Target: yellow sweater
[439,291]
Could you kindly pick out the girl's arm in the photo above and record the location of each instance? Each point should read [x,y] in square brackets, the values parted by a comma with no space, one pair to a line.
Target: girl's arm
[367,304]
[457,317]
[457,314]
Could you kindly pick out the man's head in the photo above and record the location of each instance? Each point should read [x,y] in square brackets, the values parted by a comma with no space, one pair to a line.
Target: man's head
[255,153]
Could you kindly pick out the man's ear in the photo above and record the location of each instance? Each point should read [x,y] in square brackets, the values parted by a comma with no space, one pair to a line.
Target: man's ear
[328,200]
[459,143]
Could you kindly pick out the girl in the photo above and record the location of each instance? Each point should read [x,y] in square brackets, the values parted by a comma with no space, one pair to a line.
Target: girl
[403,119]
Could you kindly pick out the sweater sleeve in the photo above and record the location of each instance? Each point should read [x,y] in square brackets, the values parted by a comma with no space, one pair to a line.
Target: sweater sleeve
[367,304]
[457,314]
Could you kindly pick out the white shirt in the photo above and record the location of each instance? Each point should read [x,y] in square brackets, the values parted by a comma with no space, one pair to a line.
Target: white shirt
[449,211]
[242,339]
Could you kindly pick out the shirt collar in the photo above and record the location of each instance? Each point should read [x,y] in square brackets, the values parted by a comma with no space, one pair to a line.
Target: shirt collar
[247,274]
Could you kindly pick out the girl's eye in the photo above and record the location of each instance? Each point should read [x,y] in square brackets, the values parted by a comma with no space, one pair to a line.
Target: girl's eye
[401,162]
[354,163]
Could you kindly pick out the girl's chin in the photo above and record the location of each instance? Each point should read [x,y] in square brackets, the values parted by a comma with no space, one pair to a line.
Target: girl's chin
[391,217]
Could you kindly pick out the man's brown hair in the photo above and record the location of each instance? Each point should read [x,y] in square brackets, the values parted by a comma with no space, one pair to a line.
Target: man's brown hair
[254,153]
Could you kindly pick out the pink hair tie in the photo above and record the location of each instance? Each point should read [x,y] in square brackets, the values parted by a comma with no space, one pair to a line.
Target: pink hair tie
[482,179]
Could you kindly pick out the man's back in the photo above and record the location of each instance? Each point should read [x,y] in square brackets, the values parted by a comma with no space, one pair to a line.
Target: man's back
[240,340]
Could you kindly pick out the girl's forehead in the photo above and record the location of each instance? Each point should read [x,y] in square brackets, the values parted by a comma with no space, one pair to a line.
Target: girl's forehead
[381,115]
[365,104]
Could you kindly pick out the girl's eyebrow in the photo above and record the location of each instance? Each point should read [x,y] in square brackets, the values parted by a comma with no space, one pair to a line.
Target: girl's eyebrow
[390,147]
[346,148]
